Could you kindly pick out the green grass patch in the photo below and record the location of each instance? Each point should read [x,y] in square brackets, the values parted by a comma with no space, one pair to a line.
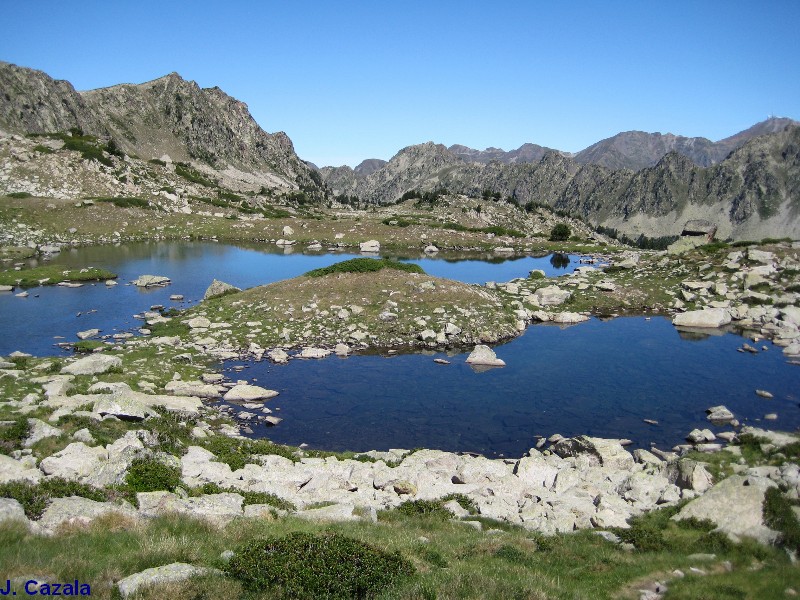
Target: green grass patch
[778,515]
[19,195]
[365,265]
[51,275]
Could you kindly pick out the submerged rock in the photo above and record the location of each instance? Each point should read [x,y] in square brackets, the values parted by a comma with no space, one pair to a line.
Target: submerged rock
[151,281]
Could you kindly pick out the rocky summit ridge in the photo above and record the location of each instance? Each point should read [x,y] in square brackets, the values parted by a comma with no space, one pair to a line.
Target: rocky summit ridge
[167,116]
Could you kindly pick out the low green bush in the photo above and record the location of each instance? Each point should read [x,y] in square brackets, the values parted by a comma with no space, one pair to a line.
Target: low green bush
[560,233]
[365,265]
[778,515]
[424,508]
[512,554]
[249,497]
[126,202]
[12,436]
[303,565]
[152,475]
[34,498]
[19,195]
[87,346]
[236,453]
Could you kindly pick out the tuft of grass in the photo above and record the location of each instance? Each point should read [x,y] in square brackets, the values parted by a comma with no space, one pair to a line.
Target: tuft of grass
[19,195]
[365,265]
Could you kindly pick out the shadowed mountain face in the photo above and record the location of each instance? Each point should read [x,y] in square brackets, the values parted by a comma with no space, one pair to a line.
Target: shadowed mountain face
[166,116]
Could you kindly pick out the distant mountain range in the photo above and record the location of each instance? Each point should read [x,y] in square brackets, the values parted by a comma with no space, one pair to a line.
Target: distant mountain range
[633,150]
[749,183]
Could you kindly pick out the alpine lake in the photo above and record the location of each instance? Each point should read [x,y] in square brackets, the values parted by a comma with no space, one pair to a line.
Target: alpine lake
[602,378]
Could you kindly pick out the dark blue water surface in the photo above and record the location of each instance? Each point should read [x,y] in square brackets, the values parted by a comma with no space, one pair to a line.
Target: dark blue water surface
[596,378]
[32,324]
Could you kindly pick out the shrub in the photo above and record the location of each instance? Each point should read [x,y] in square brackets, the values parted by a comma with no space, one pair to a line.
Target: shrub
[126,202]
[365,265]
[249,497]
[188,173]
[560,233]
[19,195]
[426,508]
[12,436]
[536,275]
[302,565]
[87,346]
[34,498]
[152,475]
[778,515]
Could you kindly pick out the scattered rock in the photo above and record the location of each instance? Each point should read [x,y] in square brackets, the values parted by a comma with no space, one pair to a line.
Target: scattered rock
[94,364]
[171,573]
[217,288]
[248,393]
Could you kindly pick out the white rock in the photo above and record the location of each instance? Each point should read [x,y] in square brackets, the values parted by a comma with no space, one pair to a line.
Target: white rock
[248,393]
[707,317]
[93,365]
[483,355]
[370,246]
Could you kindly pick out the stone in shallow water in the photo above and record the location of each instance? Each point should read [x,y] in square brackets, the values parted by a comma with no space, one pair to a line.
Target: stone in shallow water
[483,355]
[708,317]
[246,392]
[151,281]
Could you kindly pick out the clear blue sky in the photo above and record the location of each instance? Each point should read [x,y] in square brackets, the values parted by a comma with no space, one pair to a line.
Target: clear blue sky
[355,80]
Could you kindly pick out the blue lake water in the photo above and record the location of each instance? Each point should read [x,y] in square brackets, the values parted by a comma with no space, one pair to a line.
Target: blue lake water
[31,324]
[596,378]
[599,378]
